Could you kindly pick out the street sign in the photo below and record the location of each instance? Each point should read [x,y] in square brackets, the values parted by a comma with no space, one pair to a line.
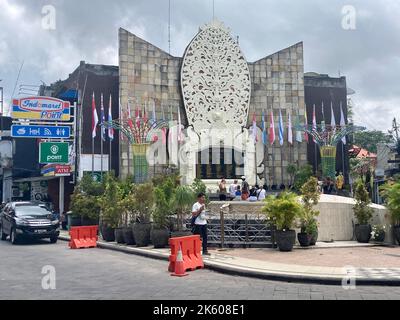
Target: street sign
[62,171]
[53,152]
[56,170]
[41,108]
[43,132]
[96,176]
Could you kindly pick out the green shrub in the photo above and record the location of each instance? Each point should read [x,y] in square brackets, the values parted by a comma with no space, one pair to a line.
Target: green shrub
[391,193]
[362,211]
[283,210]
[310,197]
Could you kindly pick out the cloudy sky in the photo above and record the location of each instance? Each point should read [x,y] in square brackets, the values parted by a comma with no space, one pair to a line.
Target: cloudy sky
[368,55]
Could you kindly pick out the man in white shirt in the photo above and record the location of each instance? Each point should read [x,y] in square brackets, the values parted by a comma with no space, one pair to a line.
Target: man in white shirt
[233,189]
[200,228]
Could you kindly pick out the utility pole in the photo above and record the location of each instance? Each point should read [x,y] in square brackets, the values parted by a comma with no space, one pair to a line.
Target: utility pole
[396,129]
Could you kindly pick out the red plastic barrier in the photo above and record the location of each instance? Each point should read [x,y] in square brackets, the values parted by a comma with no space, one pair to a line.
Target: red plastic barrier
[191,251]
[83,237]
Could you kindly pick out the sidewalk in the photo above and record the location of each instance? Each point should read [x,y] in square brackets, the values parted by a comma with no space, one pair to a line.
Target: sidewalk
[373,265]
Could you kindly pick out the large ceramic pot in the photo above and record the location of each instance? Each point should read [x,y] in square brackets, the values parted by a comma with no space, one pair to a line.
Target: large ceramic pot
[396,231]
[128,236]
[314,239]
[179,234]
[160,237]
[74,221]
[107,233]
[141,233]
[363,232]
[119,235]
[285,240]
[89,222]
[304,239]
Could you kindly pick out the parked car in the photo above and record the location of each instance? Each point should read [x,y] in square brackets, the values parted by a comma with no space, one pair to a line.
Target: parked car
[28,220]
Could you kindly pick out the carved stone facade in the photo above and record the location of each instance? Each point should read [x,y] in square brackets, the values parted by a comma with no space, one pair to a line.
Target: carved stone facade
[216,90]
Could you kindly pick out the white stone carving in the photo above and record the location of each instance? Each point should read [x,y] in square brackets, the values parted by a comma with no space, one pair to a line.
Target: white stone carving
[215,80]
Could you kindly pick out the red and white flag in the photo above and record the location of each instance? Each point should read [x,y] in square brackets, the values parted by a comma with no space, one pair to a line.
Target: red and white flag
[95,118]
[254,130]
[271,128]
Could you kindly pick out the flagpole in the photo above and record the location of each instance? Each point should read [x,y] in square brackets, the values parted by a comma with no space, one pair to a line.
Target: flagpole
[102,136]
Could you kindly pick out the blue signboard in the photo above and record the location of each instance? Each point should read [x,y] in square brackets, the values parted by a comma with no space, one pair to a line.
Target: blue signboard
[43,132]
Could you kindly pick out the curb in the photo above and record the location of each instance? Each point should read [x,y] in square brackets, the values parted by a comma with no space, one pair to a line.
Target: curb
[251,273]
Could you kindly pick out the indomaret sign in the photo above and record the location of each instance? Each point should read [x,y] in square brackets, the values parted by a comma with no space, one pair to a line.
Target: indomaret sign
[41,108]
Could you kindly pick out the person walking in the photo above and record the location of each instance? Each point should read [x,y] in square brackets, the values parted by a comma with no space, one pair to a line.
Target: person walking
[200,224]
[245,189]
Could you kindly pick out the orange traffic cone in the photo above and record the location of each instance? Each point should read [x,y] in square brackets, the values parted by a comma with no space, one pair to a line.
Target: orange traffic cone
[179,266]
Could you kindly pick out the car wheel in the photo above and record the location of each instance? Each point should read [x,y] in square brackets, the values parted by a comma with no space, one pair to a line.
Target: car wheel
[3,236]
[53,240]
[13,236]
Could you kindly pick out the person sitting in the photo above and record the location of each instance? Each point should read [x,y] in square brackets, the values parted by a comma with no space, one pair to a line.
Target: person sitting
[232,189]
[245,189]
[329,186]
[238,194]
[253,194]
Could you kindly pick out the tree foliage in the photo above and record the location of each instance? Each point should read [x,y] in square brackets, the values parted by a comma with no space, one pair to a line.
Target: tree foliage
[362,210]
[370,139]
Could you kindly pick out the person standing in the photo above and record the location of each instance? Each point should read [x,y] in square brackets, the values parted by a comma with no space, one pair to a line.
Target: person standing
[261,194]
[245,189]
[222,190]
[233,189]
[200,224]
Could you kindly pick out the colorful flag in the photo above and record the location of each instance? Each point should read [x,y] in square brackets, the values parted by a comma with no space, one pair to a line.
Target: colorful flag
[110,129]
[290,131]
[333,120]
[342,122]
[306,125]
[154,116]
[323,118]
[271,128]
[180,134]
[130,121]
[103,119]
[95,118]
[314,122]
[254,129]
[137,117]
[264,129]
[281,130]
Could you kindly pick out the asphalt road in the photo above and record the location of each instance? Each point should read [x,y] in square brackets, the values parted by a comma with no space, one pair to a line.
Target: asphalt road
[105,274]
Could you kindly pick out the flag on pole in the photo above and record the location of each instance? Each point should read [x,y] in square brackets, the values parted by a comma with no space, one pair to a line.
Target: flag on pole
[264,129]
[95,118]
[110,129]
[306,125]
[333,120]
[342,122]
[180,136]
[323,118]
[130,121]
[271,128]
[103,119]
[154,117]
[290,130]
[137,116]
[281,130]
[254,130]
[314,122]
[171,125]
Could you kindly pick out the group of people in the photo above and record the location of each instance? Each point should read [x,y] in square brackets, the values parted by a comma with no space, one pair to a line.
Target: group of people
[241,191]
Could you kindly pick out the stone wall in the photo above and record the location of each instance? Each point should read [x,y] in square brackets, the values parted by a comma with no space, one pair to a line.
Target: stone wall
[278,83]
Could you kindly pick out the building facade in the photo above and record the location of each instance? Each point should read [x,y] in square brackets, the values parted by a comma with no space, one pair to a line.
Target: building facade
[216,93]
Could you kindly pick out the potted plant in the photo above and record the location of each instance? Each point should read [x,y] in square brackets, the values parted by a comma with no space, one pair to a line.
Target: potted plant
[164,195]
[363,213]
[85,205]
[391,194]
[110,211]
[378,233]
[143,202]
[183,201]
[282,211]
[309,226]
[128,210]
